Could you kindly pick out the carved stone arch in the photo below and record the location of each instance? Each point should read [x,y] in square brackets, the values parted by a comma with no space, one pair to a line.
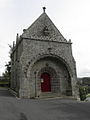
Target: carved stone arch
[47,69]
[39,65]
[54,77]
[42,55]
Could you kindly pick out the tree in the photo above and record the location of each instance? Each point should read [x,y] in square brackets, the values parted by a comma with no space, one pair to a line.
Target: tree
[7,74]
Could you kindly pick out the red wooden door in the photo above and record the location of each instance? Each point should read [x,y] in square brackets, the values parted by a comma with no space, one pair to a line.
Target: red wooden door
[45,82]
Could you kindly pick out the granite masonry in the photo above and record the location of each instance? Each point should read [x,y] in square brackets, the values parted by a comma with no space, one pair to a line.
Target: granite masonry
[42,62]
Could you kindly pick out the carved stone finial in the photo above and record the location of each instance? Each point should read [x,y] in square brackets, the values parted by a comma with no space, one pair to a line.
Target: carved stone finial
[13,44]
[17,37]
[70,40]
[44,8]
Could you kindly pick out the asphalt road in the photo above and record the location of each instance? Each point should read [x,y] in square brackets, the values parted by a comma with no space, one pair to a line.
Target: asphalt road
[12,108]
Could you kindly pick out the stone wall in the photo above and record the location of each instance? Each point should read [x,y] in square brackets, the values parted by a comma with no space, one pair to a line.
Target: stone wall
[36,50]
[41,48]
[16,66]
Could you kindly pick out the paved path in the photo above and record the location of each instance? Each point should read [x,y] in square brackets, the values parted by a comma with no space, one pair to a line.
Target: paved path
[12,108]
[5,92]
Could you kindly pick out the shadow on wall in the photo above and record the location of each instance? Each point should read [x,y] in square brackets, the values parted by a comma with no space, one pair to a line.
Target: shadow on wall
[23,116]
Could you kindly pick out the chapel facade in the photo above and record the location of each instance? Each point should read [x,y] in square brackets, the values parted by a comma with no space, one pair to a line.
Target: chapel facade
[42,62]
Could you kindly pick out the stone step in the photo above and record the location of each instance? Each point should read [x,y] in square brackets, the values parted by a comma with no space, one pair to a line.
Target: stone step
[54,95]
[12,92]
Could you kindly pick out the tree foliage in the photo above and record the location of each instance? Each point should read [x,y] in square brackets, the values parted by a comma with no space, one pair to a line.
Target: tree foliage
[7,73]
[83,90]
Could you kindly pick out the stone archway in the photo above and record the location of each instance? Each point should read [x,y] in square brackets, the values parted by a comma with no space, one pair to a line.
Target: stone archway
[53,77]
[59,75]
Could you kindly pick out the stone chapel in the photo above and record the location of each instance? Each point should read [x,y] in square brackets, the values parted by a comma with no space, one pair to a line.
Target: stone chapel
[42,62]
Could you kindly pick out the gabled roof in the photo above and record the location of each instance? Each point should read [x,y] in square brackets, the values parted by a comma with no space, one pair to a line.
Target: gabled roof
[43,28]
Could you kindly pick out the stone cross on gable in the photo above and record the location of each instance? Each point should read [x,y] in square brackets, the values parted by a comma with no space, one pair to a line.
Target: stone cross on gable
[44,8]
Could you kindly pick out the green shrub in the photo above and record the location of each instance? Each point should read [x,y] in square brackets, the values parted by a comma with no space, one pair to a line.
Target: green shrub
[83,90]
[88,95]
[88,89]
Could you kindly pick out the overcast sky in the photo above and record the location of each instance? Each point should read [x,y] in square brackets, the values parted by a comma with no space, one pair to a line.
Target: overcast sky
[71,17]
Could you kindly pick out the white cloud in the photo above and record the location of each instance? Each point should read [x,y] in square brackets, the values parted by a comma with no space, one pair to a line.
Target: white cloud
[4,3]
[84,72]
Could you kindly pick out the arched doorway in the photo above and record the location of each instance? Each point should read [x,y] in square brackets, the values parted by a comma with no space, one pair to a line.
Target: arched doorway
[50,74]
[45,82]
